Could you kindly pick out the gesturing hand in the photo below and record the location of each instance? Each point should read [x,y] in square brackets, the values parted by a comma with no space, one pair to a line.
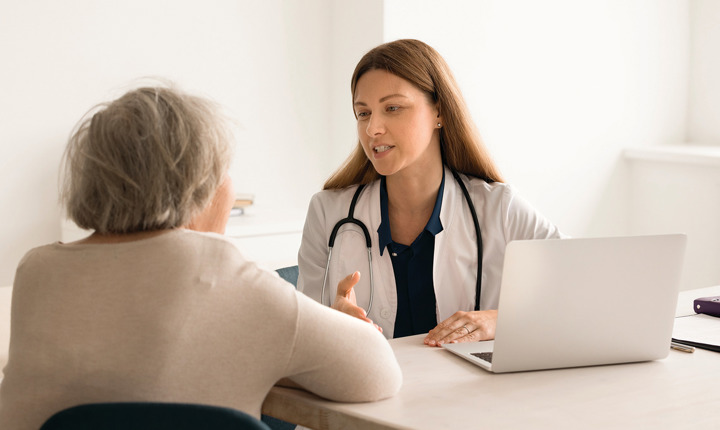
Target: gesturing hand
[464,327]
[345,300]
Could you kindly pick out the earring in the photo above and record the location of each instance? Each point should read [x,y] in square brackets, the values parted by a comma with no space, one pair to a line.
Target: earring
[439,125]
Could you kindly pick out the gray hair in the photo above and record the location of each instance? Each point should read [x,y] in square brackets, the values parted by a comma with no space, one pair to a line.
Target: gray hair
[149,160]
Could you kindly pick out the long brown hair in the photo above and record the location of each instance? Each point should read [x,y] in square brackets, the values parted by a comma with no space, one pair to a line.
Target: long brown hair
[421,65]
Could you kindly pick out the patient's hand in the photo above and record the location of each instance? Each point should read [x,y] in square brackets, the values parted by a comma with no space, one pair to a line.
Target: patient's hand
[215,216]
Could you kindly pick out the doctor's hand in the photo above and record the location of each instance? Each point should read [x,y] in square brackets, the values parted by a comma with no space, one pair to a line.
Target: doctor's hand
[464,327]
[346,302]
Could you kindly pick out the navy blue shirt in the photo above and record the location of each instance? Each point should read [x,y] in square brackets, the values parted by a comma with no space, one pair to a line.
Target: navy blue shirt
[413,269]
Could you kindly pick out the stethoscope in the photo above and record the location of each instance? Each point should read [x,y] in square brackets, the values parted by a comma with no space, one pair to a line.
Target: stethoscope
[350,219]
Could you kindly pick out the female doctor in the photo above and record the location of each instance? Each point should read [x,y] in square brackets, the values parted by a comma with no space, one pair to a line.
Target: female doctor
[420,181]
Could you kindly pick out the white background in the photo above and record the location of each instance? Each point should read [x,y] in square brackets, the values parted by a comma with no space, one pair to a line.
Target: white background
[558,89]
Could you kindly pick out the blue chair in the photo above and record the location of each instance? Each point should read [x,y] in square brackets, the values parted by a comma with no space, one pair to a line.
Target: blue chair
[289,274]
[151,415]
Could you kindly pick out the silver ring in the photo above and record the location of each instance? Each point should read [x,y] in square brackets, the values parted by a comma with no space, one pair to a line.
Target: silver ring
[468,330]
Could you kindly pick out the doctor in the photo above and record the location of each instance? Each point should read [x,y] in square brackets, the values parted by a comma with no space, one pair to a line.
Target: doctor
[420,273]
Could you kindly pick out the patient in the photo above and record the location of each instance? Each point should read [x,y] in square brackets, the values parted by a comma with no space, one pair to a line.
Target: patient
[146,309]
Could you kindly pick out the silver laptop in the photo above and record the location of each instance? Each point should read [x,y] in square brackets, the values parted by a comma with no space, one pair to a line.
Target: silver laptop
[582,302]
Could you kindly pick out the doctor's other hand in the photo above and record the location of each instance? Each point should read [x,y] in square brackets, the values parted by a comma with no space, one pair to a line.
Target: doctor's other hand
[346,302]
[464,327]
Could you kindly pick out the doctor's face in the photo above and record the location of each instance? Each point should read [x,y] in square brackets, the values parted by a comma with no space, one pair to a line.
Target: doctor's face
[397,124]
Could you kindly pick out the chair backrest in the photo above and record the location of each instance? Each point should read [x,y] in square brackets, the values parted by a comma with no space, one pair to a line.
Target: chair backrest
[289,274]
[150,415]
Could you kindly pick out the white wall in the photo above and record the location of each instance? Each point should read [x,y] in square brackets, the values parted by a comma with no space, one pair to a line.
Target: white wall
[559,87]
[677,190]
[357,27]
[704,105]
[267,61]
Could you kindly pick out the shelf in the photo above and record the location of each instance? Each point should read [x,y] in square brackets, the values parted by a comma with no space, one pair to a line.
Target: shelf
[267,222]
[252,223]
[703,155]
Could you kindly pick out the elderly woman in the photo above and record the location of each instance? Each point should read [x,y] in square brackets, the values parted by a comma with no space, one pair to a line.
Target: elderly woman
[148,309]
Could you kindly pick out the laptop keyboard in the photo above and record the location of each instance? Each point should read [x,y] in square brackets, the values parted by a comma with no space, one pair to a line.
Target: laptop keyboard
[487,356]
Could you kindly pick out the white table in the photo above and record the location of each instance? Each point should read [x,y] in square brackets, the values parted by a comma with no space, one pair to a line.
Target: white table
[442,391]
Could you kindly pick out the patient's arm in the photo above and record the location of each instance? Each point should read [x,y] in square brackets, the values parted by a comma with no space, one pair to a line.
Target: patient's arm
[288,383]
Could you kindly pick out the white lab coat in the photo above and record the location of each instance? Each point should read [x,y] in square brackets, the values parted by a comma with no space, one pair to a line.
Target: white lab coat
[503,217]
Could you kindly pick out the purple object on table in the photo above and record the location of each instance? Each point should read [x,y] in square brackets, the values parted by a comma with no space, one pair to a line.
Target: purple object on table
[707,305]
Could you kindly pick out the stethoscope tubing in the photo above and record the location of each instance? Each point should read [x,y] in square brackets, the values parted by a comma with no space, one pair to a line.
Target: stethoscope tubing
[478,237]
[350,219]
[368,243]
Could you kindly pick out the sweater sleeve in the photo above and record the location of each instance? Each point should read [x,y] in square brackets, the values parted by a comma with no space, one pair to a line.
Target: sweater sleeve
[340,357]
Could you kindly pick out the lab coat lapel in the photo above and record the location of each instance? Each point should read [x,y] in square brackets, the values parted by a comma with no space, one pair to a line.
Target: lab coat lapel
[455,256]
[385,298]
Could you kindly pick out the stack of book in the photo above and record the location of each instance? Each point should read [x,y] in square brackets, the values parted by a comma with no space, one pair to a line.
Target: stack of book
[242,201]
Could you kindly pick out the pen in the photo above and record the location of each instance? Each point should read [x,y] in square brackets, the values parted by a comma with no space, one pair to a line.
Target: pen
[681,347]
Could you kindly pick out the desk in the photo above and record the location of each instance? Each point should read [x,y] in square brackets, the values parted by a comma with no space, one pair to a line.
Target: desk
[442,391]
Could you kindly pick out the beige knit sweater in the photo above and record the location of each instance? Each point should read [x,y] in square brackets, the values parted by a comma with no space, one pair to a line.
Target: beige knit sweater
[180,317]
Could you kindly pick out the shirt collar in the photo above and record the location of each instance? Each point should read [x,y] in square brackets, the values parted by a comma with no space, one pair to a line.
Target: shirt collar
[433,226]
